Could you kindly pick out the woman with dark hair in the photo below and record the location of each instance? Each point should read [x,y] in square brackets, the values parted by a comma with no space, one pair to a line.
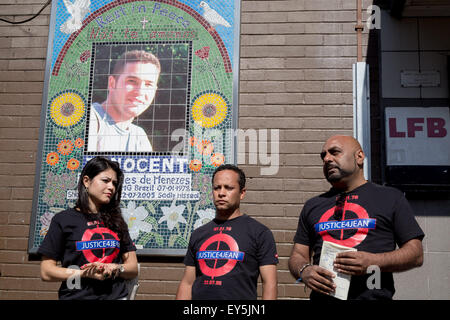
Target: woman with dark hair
[91,240]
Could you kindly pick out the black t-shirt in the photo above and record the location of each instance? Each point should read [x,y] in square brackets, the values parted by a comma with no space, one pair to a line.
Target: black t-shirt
[374,219]
[76,239]
[227,256]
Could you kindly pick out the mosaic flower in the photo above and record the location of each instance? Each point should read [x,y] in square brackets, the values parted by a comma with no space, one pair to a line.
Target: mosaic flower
[46,218]
[195,165]
[217,159]
[85,56]
[56,187]
[173,215]
[79,143]
[202,53]
[202,183]
[205,216]
[205,147]
[209,110]
[134,217]
[73,164]
[52,158]
[67,109]
[193,141]
[65,147]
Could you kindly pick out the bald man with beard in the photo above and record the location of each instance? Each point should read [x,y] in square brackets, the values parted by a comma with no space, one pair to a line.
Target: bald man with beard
[376,220]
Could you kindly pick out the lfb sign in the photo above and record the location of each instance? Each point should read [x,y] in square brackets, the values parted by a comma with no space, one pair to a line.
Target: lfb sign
[418,136]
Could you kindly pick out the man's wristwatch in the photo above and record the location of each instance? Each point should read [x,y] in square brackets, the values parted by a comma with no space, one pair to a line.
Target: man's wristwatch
[300,278]
[119,271]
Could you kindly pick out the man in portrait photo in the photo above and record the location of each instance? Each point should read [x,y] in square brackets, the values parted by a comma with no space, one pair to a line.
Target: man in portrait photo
[131,88]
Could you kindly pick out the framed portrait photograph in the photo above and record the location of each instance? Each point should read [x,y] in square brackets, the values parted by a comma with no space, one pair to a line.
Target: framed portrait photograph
[139,97]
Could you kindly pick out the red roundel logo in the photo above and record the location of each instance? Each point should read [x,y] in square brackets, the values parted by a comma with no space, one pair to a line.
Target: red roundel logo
[99,245]
[349,232]
[218,255]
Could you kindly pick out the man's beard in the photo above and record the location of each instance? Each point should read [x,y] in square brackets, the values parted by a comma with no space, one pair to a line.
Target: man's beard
[337,176]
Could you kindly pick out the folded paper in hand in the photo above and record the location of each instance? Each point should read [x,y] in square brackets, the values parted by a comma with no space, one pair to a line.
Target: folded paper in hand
[327,257]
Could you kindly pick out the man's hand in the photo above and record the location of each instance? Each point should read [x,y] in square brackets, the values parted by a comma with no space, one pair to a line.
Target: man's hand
[318,279]
[353,262]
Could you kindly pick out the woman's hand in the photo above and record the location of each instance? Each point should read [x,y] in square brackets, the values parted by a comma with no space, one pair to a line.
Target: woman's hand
[100,271]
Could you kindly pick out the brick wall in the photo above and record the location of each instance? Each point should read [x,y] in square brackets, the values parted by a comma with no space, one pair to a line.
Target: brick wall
[22,59]
[295,76]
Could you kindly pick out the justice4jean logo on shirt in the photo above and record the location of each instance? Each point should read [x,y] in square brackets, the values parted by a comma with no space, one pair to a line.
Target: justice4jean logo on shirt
[99,245]
[222,260]
[351,230]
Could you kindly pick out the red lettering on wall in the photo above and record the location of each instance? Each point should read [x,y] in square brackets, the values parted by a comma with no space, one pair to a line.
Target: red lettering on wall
[436,128]
[393,133]
[412,127]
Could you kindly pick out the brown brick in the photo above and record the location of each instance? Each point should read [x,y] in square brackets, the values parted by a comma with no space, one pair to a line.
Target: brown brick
[22,193]
[35,42]
[269,111]
[156,273]
[320,135]
[23,169]
[14,230]
[19,133]
[271,75]
[27,284]
[23,53]
[18,145]
[319,63]
[263,63]
[328,74]
[266,210]
[22,87]
[24,99]
[265,17]
[15,205]
[10,256]
[9,10]
[22,76]
[17,156]
[279,224]
[30,64]
[15,243]
[30,295]
[267,40]
[24,31]
[260,86]
[5,193]
[257,6]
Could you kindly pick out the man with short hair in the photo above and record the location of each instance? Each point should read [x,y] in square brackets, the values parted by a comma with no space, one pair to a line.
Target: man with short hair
[226,256]
[359,214]
[131,90]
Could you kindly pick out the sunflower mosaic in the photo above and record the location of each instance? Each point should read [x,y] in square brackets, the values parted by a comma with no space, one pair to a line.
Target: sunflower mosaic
[195,165]
[52,158]
[67,109]
[205,147]
[73,164]
[217,159]
[209,109]
[65,147]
